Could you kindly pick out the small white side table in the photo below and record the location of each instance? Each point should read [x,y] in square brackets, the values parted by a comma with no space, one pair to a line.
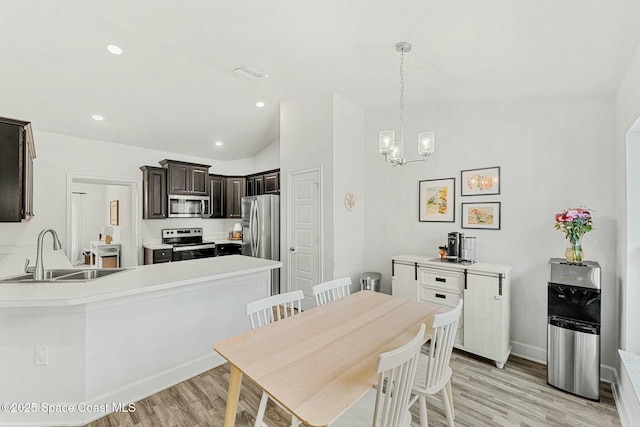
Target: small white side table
[100,249]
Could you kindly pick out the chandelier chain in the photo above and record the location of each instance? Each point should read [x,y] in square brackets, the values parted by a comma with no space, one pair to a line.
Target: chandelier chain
[402,95]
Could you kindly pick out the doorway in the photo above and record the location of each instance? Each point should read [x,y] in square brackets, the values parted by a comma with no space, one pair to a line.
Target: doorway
[89,209]
[305,224]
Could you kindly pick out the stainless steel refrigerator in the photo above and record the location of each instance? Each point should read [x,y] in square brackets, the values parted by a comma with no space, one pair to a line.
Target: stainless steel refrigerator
[261,231]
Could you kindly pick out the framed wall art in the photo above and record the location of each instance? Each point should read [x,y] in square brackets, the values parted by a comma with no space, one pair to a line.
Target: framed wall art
[480,182]
[481,215]
[436,200]
[114,212]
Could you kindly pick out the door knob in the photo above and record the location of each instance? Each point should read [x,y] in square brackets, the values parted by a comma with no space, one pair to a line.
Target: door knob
[293,249]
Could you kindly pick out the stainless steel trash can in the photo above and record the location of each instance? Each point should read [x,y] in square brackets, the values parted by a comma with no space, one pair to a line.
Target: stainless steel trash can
[370,281]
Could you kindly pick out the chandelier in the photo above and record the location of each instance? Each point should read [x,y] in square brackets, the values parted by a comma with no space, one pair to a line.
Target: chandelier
[392,150]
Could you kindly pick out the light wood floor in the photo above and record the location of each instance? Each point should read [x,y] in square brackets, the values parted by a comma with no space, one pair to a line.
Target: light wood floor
[484,396]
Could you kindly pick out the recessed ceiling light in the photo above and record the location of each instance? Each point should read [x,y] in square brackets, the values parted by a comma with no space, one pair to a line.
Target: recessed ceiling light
[219,143]
[114,49]
[259,104]
[97,117]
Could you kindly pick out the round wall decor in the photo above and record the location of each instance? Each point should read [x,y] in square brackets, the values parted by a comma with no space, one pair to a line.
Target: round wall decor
[350,201]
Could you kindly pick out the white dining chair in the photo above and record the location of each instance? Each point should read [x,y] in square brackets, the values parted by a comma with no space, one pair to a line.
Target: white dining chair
[434,372]
[268,310]
[388,404]
[332,290]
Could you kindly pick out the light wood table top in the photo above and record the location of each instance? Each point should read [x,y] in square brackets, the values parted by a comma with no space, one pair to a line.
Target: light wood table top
[320,362]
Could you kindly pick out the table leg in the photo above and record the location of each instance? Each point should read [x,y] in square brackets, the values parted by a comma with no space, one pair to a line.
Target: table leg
[232,397]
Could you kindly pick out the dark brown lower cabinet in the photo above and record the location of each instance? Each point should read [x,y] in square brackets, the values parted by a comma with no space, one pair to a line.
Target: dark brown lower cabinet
[157,256]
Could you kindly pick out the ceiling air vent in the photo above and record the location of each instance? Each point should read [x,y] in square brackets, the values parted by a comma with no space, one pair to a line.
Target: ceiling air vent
[245,70]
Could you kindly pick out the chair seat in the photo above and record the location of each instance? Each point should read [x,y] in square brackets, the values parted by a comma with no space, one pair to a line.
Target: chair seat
[361,413]
[419,384]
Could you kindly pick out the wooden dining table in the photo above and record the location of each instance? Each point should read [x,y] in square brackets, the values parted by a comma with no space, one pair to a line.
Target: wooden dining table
[318,363]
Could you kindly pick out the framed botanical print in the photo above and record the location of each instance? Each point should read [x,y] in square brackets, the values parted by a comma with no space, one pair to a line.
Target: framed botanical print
[480,182]
[481,215]
[436,200]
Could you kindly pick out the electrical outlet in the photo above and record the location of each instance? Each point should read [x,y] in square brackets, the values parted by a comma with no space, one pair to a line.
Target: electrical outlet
[41,356]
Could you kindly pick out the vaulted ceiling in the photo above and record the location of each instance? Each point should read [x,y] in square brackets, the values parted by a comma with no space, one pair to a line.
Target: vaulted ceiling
[173,88]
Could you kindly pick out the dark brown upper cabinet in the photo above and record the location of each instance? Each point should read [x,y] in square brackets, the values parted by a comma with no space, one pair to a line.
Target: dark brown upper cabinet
[272,182]
[217,185]
[17,152]
[263,183]
[235,192]
[259,184]
[186,178]
[250,189]
[154,192]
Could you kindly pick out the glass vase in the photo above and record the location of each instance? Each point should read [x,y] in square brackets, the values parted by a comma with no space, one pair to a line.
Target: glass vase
[574,251]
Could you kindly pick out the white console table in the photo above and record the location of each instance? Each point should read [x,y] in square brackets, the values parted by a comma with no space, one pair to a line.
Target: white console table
[484,327]
[100,249]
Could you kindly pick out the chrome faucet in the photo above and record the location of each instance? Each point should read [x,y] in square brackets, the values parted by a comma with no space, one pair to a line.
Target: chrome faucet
[38,272]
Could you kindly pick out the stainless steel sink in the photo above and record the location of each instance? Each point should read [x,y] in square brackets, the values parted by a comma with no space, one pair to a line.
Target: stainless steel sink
[66,275]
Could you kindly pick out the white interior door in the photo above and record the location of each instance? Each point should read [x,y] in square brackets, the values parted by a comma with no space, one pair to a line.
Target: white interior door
[305,264]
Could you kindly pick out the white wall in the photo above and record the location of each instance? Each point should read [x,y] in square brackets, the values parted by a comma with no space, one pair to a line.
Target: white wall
[627,113]
[306,135]
[348,177]
[93,212]
[627,184]
[124,231]
[267,159]
[553,155]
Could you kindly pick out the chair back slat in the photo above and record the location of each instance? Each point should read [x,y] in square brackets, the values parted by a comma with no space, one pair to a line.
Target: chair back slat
[332,290]
[397,370]
[445,327]
[276,307]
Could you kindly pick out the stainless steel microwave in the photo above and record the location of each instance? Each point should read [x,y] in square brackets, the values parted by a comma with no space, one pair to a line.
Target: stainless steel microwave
[181,206]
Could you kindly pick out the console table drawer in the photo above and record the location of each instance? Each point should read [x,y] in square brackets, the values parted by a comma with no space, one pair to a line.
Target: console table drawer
[444,280]
[438,296]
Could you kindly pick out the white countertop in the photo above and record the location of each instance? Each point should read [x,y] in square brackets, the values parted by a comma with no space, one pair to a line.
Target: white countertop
[226,241]
[134,281]
[433,261]
[154,246]
[631,362]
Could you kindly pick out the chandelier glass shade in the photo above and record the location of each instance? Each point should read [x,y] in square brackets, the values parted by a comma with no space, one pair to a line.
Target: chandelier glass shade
[388,146]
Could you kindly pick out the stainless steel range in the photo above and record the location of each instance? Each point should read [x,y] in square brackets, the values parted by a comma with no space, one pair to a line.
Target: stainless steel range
[187,243]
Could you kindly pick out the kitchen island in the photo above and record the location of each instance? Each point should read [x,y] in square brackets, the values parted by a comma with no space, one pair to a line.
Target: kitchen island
[100,345]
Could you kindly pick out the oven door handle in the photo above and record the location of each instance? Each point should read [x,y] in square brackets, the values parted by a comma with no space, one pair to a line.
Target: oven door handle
[193,248]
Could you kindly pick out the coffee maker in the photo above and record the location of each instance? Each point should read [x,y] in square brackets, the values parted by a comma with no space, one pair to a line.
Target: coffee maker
[454,246]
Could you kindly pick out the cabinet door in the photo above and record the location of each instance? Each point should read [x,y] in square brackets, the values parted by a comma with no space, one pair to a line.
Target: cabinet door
[486,330]
[199,180]
[250,187]
[179,178]
[217,191]
[29,155]
[235,193]
[15,179]
[259,185]
[403,282]
[154,193]
[271,183]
